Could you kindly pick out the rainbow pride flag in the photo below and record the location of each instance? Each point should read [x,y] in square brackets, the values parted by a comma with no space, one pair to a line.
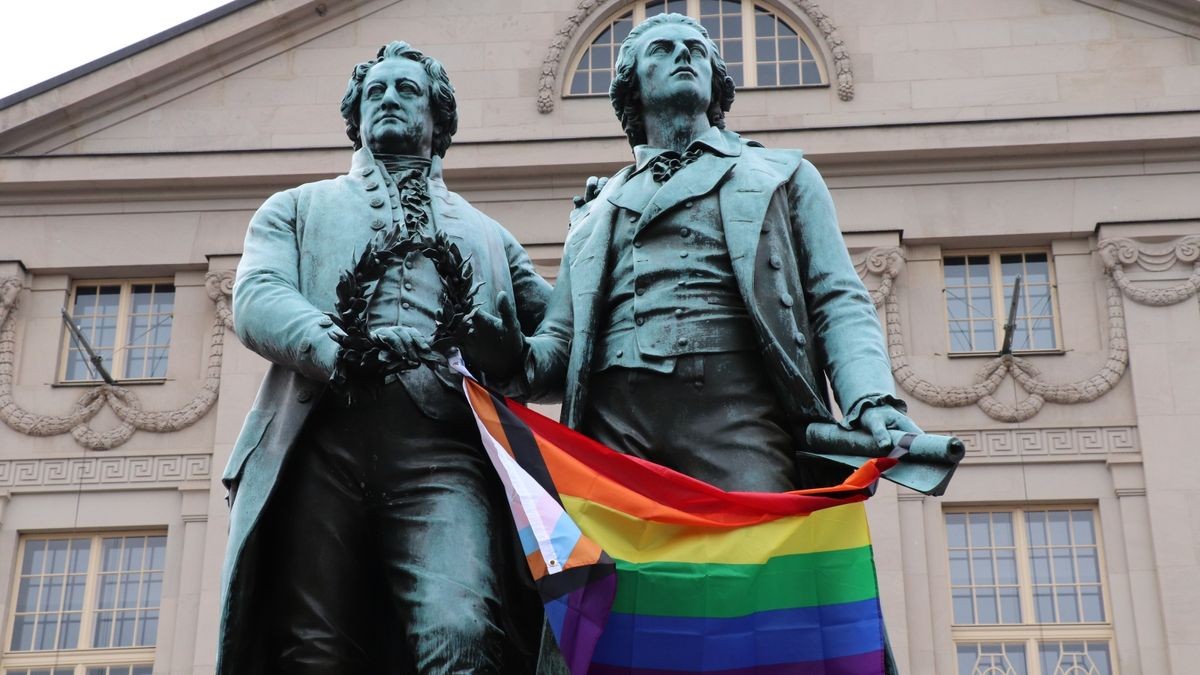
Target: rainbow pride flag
[645,571]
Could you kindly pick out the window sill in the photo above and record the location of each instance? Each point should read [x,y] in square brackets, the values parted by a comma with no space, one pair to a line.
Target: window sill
[73,384]
[992,355]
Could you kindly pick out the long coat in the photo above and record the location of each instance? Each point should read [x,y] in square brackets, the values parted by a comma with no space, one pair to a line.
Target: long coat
[297,244]
[814,320]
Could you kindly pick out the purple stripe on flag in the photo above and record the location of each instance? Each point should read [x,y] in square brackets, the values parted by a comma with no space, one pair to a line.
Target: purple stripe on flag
[573,618]
[870,663]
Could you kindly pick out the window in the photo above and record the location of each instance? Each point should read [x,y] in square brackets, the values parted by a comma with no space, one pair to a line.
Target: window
[136,315]
[759,46]
[979,289]
[86,605]
[1027,592]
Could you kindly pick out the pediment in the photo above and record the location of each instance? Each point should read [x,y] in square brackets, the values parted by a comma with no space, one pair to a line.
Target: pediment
[134,92]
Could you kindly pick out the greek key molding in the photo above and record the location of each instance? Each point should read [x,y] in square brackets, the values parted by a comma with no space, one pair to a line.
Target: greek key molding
[1119,253]
[123,401]
[1081,442]
[548,81]
[887,263]
[105,470]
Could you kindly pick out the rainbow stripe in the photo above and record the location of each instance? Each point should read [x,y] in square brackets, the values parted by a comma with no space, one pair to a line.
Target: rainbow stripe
[706,581]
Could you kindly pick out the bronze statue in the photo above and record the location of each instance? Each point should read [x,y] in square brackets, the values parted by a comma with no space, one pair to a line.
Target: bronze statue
[364,535]
[705,297]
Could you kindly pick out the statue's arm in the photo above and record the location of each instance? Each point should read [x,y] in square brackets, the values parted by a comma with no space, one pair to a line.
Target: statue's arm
[842,318]
[270,315]
[548,350]
[531,292]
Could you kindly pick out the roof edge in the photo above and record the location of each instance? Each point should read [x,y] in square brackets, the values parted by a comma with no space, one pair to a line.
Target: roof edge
[125,52]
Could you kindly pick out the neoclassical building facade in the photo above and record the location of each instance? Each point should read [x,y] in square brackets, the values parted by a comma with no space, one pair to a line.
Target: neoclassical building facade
[966,142]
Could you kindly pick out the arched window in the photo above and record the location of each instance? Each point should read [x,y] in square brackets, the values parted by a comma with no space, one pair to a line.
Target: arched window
[760,46]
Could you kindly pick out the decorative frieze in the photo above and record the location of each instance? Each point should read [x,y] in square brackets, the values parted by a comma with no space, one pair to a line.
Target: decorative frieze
[104,470]
[1074,442]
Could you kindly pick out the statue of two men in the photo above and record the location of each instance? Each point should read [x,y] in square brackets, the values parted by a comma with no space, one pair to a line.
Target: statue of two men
[704,297]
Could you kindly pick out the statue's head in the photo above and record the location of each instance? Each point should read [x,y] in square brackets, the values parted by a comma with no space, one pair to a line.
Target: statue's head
[400,102]
[668,61]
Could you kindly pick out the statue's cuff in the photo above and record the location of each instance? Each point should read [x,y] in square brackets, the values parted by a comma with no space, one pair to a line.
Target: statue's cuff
[850,420]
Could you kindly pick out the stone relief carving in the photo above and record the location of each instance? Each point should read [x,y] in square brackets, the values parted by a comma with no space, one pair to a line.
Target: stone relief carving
[1054,442]
[1120,253]
[123,401]
[887,263]
[105,470]
[548,81]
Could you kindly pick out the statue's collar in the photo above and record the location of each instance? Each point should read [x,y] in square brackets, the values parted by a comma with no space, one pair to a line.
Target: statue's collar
[363,158]
[718,141]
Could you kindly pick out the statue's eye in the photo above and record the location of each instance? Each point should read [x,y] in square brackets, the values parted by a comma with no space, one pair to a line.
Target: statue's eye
[375,90]
[698,50]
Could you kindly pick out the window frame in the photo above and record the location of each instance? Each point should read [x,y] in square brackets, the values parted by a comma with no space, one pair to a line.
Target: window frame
[999,306]
[1030,633]
[120,347]
[82,657]
[749,44]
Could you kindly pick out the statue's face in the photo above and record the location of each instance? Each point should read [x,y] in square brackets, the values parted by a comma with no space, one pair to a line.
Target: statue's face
[394,113]
[674,68]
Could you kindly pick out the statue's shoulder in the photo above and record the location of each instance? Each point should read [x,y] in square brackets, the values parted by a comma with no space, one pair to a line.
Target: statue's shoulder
[779,160]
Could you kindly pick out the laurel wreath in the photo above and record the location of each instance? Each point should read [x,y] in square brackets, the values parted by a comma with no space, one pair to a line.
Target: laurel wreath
[364,361]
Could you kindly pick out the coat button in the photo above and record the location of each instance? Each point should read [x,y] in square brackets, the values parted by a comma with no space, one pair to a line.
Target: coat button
[633,217]
[304,396]
[678,311]
[408,264]
[640,291]
[305,345]
[324,322]
[408,286]
[786,300]
[775,262]
[376,202]
[683,342]
[637,244]
[683,254]
[800,339]
[640,320]
[685,232]
[405,305]
[367,171]
[620,353]
[378,224]
[372,185]
[687,205]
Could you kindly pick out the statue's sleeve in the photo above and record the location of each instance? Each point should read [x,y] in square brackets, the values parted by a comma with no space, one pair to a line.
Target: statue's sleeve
[530,291]
[270,315]
[842,318]
[548,350]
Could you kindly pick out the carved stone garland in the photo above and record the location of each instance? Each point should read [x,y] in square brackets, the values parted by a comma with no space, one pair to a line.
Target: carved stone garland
[886,263]
[123,402]
[548,81]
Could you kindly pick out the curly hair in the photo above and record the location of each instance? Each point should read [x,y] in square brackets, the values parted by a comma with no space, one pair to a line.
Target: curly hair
[441,95]
[624,91]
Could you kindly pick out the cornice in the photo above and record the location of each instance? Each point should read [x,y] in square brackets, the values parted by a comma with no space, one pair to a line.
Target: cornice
[1143,143]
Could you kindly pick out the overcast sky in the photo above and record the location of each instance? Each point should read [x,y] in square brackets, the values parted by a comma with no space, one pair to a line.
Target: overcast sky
[43,38]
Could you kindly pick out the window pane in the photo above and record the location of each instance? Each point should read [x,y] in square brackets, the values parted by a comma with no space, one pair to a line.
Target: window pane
[983,568]
[811,73]
[992,659]
[955,270]
[131,584]
[1072,658]
[789,74]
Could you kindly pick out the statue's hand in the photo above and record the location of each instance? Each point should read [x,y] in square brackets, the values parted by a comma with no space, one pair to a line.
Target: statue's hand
[590,191]
[494,344]
[407,348]
[879,419]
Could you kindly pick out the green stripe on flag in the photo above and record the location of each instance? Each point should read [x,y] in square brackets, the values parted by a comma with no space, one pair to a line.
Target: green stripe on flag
[725,590]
